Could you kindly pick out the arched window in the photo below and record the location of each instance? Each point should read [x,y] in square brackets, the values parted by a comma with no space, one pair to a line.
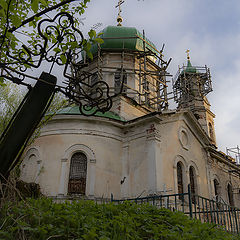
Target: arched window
[192,177]
[230,195]
[94,93]
[210,131]
[216,187]
[30,169]
[94,78]
[78,174]
[180,179]
[119,78]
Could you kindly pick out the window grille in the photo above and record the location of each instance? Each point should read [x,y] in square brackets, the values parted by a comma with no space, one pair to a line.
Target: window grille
[230,195]
[192,183]
[93,92]
[216,187]
[119,78]
[180,179]
[78,174]
[94,78]
[211,131]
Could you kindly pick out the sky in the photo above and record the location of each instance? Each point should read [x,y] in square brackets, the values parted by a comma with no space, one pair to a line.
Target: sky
[209,28]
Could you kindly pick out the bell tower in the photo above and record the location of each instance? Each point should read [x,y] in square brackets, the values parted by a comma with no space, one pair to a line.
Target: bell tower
[190,87]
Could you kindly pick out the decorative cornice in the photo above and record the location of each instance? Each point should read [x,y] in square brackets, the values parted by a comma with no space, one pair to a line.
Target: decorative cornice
[181,133]
[84,132]
[92,160]
[218,156]
[153,133]
[154,136]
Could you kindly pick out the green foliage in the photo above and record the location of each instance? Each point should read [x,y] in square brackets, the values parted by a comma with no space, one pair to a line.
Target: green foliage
[24,15]
[93,39]
[44,219]
[10,98]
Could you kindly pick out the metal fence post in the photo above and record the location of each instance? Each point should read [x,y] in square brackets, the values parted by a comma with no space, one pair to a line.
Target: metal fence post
[190,201]
[198,207]
[236,220]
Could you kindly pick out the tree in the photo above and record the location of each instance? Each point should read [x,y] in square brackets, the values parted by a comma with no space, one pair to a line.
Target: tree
[10,98]
[56,40]
[21,17]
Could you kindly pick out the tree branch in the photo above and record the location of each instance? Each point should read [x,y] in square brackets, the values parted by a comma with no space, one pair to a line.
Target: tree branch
[41,13]
[6,30]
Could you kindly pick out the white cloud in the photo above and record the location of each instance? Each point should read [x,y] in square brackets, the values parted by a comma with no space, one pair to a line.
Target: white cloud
[210,29]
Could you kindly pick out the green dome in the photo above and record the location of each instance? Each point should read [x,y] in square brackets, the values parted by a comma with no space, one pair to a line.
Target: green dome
[118,38]
[74,110]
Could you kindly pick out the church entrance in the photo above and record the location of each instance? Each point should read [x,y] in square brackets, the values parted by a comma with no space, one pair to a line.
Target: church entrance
[78,174]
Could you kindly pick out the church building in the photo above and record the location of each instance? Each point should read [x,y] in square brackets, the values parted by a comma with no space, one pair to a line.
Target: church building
[139,147]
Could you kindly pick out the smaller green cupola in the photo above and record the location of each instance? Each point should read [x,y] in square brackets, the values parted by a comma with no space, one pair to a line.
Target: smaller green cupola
[189,68]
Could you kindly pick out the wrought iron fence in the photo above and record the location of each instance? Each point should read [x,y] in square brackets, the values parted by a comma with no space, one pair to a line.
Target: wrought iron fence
[195,206]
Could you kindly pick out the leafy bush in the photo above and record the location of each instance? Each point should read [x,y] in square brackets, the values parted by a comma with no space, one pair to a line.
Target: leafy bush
[44,219]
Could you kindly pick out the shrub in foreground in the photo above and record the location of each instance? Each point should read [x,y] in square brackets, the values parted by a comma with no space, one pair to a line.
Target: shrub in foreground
[43,219]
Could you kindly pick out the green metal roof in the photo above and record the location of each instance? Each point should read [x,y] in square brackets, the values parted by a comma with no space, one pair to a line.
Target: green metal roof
[118,37]
[74,110]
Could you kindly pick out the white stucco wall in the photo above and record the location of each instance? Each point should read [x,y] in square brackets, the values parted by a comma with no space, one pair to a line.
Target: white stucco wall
[126,159]
[64,136]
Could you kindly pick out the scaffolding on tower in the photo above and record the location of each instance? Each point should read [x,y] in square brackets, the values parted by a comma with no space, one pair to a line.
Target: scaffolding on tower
[191,82]
[234,153]
[140,75]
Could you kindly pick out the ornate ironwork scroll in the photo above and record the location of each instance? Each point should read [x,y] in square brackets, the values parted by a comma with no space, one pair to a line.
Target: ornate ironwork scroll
[59,43]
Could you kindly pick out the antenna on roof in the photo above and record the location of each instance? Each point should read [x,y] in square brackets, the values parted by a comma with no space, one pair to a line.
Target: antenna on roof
[119,18]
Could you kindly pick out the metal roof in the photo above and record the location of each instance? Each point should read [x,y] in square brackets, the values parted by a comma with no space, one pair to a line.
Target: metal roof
[118,37]
[74,110]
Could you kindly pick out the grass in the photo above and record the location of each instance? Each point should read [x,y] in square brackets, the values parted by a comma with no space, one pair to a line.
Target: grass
[42,219]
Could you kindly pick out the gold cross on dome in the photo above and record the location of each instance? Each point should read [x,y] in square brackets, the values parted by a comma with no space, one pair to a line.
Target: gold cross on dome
[188,56]
[119,18]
